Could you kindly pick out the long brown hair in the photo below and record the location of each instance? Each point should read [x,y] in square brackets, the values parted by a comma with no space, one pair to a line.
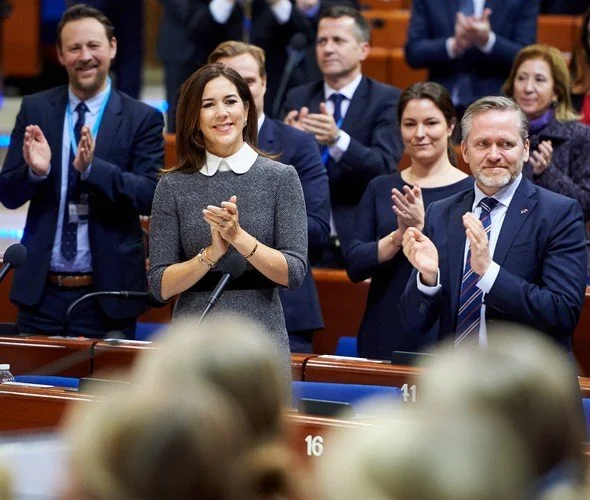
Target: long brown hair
[190,143]
[440,97]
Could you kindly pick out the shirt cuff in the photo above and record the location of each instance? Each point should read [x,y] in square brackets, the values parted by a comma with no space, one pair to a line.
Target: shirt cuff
[429,291]
[486,282]
[282,11]
[84,175]
[34,178]
[449,45]
[221,10]
[340,146]
[487,48]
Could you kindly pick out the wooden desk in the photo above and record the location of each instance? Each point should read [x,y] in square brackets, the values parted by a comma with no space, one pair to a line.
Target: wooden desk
[117,356]
[30,354]
[35,409]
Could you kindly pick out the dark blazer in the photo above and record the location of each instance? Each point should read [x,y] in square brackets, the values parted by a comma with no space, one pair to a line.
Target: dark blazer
[541,251]
[375,143]
[513,21]
[301,305]
[569,171]
[128,155]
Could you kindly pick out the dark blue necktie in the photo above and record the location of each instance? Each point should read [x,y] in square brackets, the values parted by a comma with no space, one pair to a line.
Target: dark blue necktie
[471,296]
[69,232]
[337,99]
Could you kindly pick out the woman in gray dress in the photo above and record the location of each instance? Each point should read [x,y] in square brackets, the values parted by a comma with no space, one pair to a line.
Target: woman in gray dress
[224,196]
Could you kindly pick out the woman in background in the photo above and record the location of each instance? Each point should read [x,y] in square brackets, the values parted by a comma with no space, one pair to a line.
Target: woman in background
[427,119]
[559,144]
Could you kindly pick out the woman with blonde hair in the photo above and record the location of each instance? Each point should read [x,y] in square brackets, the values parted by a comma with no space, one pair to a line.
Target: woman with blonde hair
[559,144]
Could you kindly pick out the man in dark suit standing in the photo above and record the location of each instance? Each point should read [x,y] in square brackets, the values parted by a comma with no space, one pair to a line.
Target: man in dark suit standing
[507,249]
[86,157]
[469,45]
[301,305]
[352,117]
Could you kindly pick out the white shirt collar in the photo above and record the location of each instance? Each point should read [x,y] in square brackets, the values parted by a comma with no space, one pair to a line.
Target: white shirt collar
[260,121]
[94,103]
[238,163]
[347,91]
[504,196]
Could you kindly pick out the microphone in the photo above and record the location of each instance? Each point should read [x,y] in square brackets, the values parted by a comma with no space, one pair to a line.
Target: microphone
[295,53]
[232,268]
[123,294]
[14,256]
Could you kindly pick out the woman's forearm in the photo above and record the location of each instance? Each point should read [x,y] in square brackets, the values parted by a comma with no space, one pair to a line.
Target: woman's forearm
[180,277]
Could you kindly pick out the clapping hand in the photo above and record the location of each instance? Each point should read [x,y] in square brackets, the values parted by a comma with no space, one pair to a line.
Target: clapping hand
[422,254]
[85,152]
[409,207]
[224,219]
[36,150]
[540,158]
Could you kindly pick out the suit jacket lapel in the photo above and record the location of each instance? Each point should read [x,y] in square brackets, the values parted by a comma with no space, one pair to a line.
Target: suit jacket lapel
[316,97]
[266,135]
[357,105]
[54,134]
[520,208]
[111,120]
[456,246]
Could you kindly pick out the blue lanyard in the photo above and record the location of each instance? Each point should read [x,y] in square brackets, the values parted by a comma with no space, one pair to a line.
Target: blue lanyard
[96,127]
[326,152]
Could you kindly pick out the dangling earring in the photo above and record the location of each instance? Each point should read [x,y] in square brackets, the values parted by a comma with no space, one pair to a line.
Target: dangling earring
[245,121]
[554,104]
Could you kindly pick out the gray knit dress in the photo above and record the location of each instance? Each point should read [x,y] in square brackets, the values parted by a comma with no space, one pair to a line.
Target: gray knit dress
[271,208]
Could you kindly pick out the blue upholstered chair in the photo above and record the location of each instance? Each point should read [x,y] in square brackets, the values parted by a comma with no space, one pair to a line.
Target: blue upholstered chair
[144,331]
[352,394]
[69,382]
[346,347]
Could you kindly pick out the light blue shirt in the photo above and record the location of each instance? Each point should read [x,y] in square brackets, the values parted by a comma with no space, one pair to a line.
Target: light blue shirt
[82,262]
[486,282]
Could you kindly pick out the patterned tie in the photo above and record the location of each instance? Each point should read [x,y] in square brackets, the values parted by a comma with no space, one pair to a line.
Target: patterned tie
[337,100]
[471,297]
[69,232]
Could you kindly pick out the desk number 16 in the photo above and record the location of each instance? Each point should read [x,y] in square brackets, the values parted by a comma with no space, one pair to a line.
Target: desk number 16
[315,445]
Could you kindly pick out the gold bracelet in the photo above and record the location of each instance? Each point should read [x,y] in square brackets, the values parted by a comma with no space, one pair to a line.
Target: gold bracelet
[200,256]
[252,252]
[211,262]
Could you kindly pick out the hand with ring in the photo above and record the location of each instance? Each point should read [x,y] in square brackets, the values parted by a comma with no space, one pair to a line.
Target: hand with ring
[224,219]
[408,207]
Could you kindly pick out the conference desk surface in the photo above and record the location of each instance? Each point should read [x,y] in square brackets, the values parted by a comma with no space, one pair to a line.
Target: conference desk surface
[32,409]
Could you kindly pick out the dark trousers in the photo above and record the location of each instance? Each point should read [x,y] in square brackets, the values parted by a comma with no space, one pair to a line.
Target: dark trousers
[86,319]
[301,341]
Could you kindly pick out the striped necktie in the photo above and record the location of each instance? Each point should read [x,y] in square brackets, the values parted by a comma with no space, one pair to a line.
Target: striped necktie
[471,296]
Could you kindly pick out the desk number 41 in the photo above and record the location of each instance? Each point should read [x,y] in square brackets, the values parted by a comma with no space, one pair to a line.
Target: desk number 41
[409,392]
[315,445]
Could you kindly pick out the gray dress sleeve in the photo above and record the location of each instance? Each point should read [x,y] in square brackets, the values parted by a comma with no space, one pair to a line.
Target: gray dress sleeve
[165,241]
[291,225]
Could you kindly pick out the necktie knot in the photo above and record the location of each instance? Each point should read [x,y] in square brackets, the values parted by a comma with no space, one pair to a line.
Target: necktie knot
[488,204]
[81,108]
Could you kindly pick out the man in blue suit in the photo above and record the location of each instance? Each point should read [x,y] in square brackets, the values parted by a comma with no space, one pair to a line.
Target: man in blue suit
[301,306]
[87,158]
[507,249]
[352,117]
[469,45]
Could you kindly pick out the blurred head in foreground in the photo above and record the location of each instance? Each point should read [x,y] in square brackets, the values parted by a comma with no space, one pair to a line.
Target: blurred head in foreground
[417,456]
[150,445]
[522,377]
[230,352]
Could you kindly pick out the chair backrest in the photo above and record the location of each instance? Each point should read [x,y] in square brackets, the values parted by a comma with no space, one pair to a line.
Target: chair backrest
[144,331]
[347,346]
[341,393]
[586,407]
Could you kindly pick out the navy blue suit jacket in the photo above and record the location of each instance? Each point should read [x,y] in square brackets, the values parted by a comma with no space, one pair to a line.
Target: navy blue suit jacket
[301,305]
[128,154]
[541,251]
[375,143]
[513,21]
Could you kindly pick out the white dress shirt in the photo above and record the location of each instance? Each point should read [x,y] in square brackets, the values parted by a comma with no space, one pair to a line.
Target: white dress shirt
[238,163]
